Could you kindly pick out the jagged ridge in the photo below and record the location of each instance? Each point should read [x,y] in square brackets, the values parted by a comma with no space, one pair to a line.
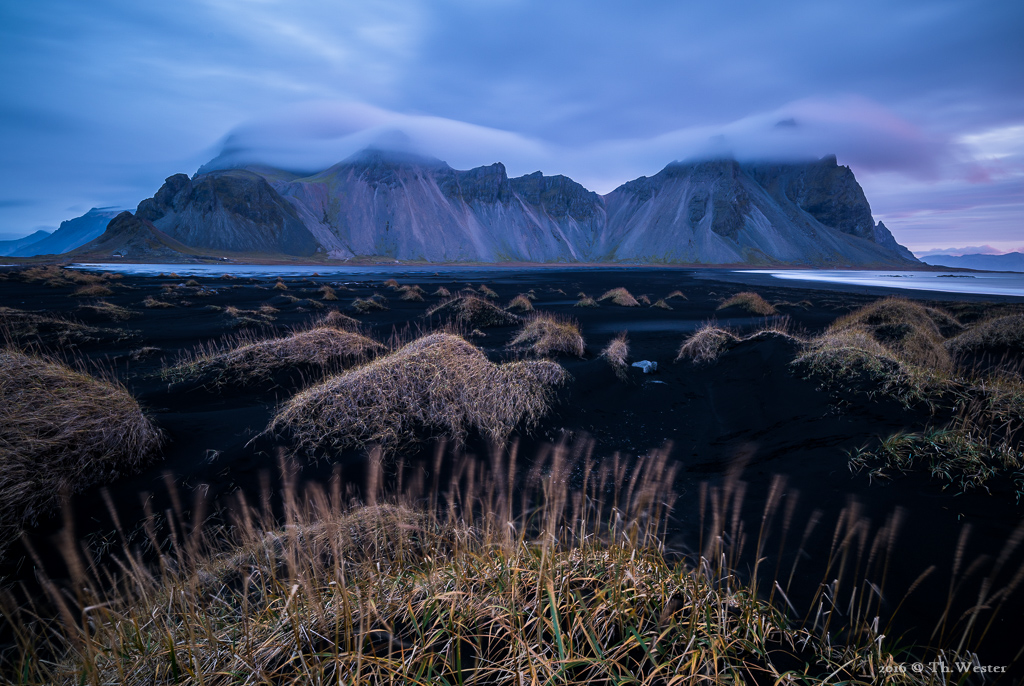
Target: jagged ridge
[381,204]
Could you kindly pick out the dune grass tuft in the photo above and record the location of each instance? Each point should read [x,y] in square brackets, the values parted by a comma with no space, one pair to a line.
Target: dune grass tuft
[339,320]
[442,292]
[586,301]
[30,328]
[375,303]
[676,294]
[995,338]
[544,333]
[249,360]
[906,328]
[95,290]
[108,310]
[392,284]
[662,305]
[328,293]
[280,285]
[751,302]
[61,431]
[411,294]
[621,297]
[521,303]
[706,344]
[438,383]
[154,304]
[617,354]
[487,292]
[472,311]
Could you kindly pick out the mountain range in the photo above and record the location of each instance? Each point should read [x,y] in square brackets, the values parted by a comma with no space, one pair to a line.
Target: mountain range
[1007,262]
[380,204]
[68,236]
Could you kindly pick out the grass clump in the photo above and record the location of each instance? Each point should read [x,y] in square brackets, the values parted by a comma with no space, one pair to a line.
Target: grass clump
[621,297]
[487,292]
[908,329]
[706,344]
[662,305]
[892,346]
[442,292]
[248,360]
[61,431]
[339,320]
[241,318]
[95,290]
[586,301]
[958,457]
[751,302]
[152,303]
[30,328]
[993,338]
[617,354]
[108,310]
[375,303]
[473,311]
[412,294]
[280,285]
[521,303]
[392,284]
[676,294]
[327,293]
[438,383]
[544,333]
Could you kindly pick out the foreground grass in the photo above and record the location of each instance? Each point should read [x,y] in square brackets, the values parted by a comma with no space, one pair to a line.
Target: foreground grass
[61,431]
[509,577]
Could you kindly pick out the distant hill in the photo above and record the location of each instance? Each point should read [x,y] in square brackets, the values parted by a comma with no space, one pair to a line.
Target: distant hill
[12,246]
[385,204]
[1008,262]
[70,234]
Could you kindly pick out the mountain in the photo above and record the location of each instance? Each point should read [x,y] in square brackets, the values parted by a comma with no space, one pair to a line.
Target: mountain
[71,234]
[401,206]
[1008,262]
[12,246]
[968,250]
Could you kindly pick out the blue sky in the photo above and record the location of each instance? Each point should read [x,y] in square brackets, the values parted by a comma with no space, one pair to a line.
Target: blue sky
[101,101]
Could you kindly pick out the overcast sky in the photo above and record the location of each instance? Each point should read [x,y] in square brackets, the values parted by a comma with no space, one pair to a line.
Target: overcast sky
[102,100]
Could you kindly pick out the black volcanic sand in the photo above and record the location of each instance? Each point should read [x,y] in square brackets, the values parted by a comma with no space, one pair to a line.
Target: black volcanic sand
[747,406]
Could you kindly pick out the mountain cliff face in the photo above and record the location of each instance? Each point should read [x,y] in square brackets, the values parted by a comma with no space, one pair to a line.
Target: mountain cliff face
[412,208]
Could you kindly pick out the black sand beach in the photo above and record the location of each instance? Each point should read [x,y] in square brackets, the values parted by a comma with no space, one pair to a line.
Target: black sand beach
[749,407]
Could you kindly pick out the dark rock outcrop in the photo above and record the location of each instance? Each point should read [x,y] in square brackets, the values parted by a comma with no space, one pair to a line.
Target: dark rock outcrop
[134,238]
[228,211]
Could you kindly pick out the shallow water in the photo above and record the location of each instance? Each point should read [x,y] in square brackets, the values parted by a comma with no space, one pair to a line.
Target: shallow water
[978,283]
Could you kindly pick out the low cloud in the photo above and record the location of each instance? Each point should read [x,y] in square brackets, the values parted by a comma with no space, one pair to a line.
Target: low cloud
[313,136]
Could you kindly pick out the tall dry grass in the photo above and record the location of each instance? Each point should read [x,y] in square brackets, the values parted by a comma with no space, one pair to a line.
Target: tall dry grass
[61,431]
[504,574]
[438,383]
